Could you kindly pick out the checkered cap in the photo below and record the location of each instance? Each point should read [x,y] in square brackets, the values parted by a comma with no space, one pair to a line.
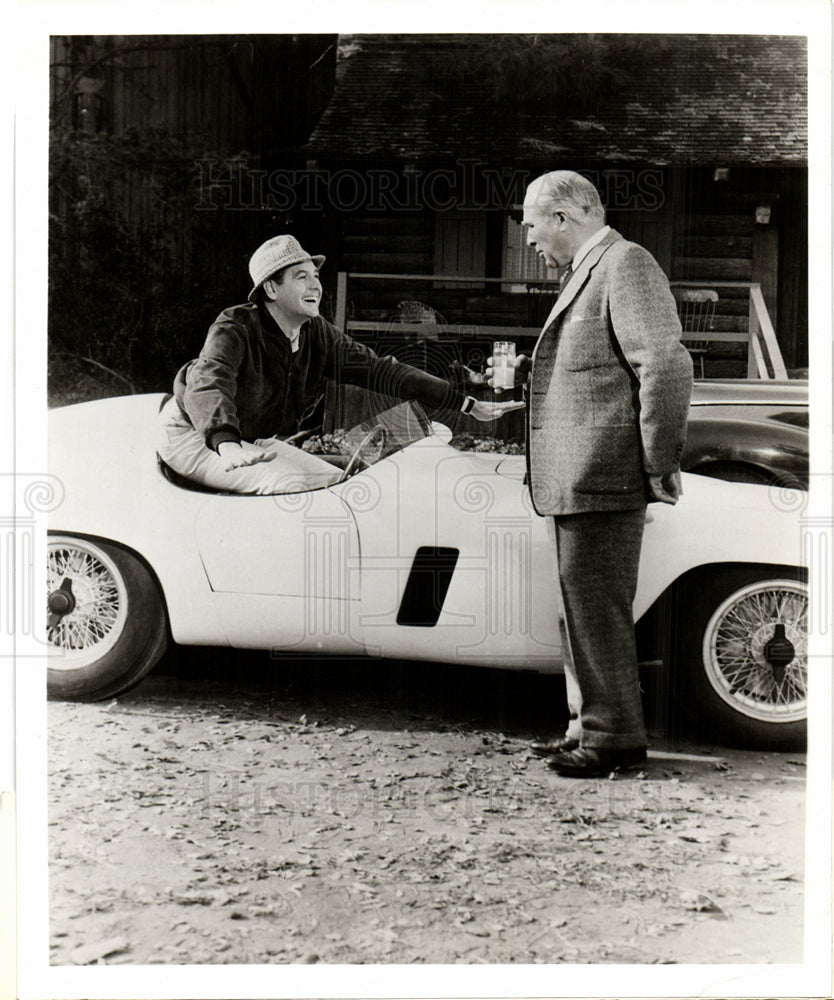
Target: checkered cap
[280,251]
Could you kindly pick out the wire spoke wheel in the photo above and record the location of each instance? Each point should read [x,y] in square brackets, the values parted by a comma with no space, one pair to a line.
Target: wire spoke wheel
[87,603]
[106,619]
[740,654]
[755,651]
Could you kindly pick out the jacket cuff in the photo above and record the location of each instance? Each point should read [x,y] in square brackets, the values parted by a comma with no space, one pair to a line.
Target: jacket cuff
[224,434]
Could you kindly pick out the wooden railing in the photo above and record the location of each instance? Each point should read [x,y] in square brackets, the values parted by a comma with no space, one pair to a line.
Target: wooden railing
[764,358]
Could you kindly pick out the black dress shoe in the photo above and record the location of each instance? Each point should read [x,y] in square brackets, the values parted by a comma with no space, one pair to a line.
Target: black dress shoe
[595,762]
[549,747]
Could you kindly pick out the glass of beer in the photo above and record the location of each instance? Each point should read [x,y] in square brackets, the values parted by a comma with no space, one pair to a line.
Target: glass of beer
[503,364]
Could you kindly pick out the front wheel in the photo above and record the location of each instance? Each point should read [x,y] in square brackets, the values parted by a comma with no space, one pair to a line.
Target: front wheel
[105,618]
[742,655]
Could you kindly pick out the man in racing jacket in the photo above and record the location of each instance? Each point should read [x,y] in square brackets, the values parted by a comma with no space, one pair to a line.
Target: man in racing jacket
[262,368]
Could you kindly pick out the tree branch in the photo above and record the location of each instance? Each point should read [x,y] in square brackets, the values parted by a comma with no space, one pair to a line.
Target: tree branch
[98,364]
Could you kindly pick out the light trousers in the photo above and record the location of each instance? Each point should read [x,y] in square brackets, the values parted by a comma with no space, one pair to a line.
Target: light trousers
[291,471]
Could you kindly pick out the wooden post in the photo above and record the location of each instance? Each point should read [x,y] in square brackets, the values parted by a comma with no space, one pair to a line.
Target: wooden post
[341,300]
[765,264]
[771,344]
[753,336]
[334,394]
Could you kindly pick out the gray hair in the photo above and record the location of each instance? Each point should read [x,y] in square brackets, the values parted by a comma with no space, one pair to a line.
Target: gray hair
[566,189]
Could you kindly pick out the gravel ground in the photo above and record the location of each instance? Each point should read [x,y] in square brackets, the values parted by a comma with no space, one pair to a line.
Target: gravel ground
[237,810]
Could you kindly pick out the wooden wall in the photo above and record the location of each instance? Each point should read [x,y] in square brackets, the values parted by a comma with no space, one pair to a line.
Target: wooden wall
[209,99]
[255,93]
[721,234]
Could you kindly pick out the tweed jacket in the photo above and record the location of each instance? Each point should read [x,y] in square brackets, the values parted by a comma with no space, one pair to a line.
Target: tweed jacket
[609,385]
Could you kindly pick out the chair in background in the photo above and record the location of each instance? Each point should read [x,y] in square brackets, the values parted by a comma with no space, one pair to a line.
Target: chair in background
[696,308]
[411,311]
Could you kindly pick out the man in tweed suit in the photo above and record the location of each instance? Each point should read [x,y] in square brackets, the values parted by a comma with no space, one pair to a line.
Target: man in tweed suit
[608,393]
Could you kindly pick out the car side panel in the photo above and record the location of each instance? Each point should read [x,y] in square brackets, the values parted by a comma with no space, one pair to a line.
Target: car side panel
[714,522]
[293,545]
[717,522]
[281,569]
[499,609]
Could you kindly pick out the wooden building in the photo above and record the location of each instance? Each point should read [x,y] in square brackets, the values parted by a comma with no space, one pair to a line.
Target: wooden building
[404,159]
[159,150]
[177,132]
[698,144]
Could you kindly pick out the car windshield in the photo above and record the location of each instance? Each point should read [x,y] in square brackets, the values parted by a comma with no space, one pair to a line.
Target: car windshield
[374,438]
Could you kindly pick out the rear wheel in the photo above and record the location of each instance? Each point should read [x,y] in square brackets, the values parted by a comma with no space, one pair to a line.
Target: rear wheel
[742,655]
[105,618]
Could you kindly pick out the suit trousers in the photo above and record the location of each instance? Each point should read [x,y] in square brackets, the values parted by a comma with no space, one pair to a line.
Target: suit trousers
[599,555]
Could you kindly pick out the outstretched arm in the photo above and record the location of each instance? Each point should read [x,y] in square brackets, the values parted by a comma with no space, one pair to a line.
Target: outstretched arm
[492,411]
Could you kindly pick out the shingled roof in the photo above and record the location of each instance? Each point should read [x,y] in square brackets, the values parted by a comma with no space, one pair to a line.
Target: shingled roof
[693,99]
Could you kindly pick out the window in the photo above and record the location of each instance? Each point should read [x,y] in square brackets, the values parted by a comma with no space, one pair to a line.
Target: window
[519,261]
[460,246]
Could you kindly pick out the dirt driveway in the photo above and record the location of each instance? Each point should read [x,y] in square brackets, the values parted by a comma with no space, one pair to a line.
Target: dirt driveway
[237,810]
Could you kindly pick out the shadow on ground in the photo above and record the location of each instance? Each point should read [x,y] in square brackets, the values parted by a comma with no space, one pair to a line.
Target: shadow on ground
[392,694]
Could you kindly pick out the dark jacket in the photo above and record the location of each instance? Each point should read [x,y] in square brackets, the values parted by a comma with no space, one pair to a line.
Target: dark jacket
[248,384]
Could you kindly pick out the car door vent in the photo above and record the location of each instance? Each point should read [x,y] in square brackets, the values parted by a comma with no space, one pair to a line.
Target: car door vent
[427,585]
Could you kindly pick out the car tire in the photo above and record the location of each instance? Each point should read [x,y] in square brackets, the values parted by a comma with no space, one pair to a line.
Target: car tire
[740,658]
[106,619]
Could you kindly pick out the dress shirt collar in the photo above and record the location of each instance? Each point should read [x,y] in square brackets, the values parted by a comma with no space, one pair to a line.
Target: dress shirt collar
[589,245]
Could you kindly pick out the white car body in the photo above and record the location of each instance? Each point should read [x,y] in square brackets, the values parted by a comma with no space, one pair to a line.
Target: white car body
[325,571]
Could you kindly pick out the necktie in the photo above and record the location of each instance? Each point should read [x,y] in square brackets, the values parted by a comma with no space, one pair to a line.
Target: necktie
[565,277]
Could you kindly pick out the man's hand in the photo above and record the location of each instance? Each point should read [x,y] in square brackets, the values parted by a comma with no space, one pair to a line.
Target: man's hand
[236,456]
[666,488]
[491,411]
[522,365]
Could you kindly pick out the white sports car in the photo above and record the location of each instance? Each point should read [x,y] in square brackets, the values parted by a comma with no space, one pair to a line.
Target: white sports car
[419,552]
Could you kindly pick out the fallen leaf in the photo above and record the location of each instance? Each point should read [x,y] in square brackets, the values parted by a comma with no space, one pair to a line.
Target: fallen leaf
[192,899]
[697,836]
[692,899]
[88,953]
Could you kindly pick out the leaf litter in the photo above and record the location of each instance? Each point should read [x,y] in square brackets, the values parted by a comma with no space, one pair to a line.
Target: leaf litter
[462,847]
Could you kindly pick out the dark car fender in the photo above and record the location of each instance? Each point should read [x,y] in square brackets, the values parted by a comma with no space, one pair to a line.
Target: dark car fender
[780,450]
